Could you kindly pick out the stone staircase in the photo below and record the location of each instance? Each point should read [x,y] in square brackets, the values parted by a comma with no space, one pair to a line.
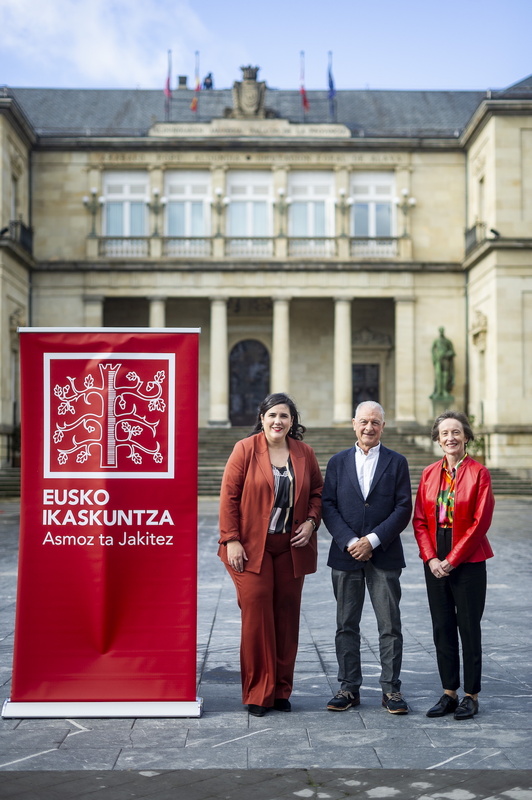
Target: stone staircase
[9,482]
[215,445]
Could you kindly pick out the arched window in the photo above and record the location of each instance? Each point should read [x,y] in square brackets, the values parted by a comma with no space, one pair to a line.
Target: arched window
[249,380]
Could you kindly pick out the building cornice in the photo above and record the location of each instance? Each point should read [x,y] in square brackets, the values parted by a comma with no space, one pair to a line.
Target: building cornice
[258,144]
[17,119]
[488,246]
[489,108]
[173,265]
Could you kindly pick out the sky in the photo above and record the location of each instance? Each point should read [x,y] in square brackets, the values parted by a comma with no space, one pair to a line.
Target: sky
[380,44]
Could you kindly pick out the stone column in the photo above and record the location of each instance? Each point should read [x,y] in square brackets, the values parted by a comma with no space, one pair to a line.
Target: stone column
[93,311]
[405,359]
[343,381]
[219,366]
[157,312]
[280,367]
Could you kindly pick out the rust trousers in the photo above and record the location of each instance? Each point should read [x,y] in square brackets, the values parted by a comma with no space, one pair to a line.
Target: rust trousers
[269,603]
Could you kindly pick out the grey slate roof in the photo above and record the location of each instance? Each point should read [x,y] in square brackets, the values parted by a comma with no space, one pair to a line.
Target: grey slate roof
[375,113]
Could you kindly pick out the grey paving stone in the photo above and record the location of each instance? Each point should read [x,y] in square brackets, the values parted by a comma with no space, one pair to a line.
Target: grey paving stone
[61,759]
[348,748]
[465,757]
[183,758]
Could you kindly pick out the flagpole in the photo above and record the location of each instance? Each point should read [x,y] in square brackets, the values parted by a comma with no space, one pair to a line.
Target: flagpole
[168,89]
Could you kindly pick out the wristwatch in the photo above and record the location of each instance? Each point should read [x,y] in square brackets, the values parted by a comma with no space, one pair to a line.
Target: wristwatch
[312,521]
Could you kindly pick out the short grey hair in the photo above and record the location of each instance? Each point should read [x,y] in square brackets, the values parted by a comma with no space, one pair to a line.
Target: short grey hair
[372,404]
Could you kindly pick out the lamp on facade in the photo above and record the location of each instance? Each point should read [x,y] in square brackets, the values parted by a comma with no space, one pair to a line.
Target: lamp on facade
[282,205]
[156,206]
[92,204]
[343,205]
[405,203]
[219,205]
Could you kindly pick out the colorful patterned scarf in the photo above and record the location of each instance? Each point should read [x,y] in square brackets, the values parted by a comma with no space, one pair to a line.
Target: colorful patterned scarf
[445,500]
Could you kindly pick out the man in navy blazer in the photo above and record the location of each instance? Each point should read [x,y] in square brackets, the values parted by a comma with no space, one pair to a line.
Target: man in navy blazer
[367,503]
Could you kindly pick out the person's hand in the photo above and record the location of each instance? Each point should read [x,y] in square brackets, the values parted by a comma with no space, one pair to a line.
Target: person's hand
[440,569]
[302,534]
[361,550]
[236,555]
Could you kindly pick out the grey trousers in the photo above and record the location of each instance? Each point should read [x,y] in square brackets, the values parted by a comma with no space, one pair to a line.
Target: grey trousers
[385,593]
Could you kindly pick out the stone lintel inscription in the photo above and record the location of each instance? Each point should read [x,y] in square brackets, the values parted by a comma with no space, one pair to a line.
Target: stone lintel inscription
[284,159]
[255,128]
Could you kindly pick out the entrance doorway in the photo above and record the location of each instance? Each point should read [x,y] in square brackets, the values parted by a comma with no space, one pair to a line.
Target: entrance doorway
[249,380]
[365,383]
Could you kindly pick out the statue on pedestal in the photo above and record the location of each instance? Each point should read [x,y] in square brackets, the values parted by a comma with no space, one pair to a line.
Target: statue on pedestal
[443,359]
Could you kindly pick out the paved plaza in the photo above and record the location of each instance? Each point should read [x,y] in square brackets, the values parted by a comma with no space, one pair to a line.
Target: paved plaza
[310,753]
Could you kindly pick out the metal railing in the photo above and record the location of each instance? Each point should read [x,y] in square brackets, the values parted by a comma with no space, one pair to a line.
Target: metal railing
[474,236]
[17,231]
[380,247]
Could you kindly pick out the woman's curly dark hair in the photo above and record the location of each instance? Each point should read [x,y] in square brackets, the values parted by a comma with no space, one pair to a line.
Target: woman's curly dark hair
[296,431]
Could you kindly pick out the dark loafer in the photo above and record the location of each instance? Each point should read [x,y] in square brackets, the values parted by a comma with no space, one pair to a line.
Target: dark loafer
[257,711]
[467,708]
[282,705]
[445,705]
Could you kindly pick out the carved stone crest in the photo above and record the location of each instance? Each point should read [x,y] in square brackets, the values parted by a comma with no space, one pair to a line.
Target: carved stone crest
[248,97]
[367,338]
[479,330]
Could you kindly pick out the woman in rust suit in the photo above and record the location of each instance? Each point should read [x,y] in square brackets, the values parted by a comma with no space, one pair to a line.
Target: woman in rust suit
[270,509]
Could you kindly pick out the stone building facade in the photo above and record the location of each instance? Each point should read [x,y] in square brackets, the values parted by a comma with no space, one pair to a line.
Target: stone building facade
[320,252]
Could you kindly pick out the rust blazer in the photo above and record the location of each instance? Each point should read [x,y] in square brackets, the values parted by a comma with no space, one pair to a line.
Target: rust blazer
[473,511]
[247,496]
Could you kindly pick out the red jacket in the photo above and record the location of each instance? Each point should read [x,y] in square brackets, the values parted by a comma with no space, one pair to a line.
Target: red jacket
[247,496]
[473,510]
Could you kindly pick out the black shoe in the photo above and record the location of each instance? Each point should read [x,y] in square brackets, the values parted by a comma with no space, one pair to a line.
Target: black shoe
[467,708]
[257,711]
[445,705]
[343,700]
[282,705]
[395,703]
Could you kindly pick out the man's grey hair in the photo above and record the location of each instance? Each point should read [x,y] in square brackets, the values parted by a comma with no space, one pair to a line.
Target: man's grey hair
[372,404]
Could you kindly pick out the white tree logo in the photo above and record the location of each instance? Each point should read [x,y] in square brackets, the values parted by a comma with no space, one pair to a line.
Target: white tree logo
[112,414]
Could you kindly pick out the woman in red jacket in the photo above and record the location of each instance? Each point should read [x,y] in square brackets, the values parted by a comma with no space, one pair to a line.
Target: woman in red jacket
[270,509]
[452,515]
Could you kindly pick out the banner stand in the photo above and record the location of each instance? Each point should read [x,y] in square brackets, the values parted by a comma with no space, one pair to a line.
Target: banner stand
[94,710]
[106,610]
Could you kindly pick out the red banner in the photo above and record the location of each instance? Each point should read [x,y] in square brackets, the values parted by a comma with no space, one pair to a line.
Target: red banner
[106,607]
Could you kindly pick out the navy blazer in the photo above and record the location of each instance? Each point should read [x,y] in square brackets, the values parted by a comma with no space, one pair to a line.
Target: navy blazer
[386,511]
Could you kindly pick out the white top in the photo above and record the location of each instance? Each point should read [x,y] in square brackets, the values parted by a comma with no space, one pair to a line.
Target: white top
[366,466]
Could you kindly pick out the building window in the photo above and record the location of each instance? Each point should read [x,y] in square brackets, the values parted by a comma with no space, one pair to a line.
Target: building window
[188,203]
[373,213]
[125,212]
[249,213]
[311,213]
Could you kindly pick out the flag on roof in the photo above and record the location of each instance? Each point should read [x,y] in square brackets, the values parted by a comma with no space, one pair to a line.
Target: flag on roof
[302,91]
[197,86]
[331,94]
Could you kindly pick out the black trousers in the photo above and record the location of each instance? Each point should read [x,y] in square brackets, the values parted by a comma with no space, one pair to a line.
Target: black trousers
[456,606]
